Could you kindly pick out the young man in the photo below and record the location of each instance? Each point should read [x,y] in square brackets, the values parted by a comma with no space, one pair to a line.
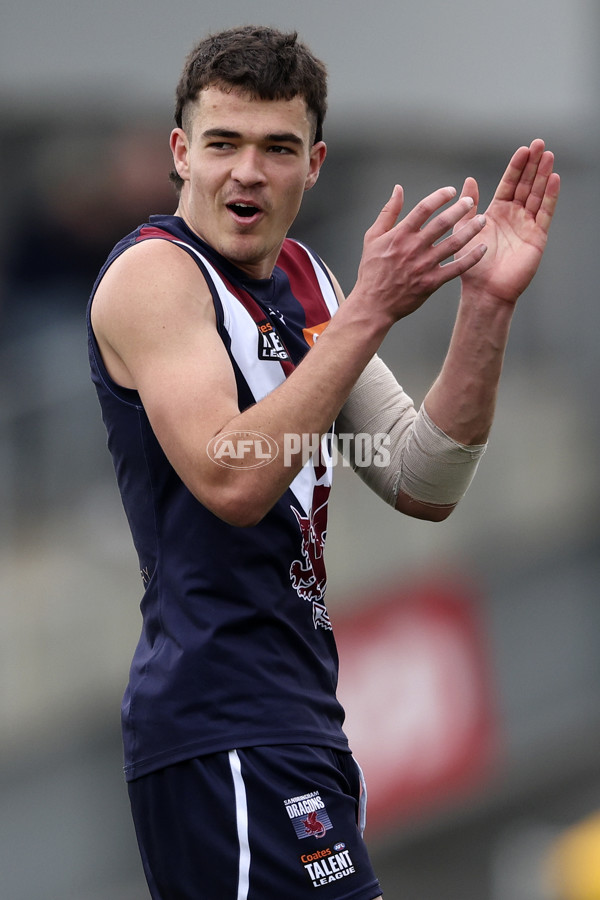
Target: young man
[221,361]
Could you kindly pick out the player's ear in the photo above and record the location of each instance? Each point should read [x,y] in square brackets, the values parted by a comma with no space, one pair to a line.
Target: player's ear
[318,152]
[180,148]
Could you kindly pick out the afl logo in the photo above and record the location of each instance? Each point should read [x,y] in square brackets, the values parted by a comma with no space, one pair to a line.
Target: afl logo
[242,450]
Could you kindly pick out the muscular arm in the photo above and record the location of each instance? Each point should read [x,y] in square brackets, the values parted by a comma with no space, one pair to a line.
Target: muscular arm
[462,400]
[153,317]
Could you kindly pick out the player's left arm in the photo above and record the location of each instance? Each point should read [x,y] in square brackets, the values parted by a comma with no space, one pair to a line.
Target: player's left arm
[462,400]
[379,408]
[434,453]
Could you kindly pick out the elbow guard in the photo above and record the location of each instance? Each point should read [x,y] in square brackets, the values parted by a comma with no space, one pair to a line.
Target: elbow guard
[424,462]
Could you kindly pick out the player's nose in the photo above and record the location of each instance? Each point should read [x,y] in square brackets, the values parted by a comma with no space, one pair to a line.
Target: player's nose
[248,168]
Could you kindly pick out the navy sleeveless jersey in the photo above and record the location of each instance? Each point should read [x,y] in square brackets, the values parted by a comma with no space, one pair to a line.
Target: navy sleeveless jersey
[236,647]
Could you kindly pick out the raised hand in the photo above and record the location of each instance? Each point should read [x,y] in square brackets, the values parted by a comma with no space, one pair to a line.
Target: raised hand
[517,224]
[403,262]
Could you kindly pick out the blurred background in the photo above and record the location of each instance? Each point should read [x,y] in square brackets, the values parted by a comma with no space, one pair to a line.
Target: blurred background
[470,649]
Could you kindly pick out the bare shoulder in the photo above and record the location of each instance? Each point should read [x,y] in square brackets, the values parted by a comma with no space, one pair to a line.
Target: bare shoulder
[151,293]
[151,273]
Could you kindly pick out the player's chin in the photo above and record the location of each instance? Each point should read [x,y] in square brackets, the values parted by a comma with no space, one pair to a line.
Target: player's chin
[251,253]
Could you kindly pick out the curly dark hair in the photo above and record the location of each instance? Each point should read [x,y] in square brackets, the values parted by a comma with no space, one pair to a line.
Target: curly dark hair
[264,62]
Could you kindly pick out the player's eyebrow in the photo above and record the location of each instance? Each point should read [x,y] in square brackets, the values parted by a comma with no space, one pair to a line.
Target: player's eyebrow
[220,132]
[284,137]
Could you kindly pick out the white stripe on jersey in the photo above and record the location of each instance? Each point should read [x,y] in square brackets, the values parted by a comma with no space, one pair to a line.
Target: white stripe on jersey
[241,815]
[241,328]
[262,379]
[304,483]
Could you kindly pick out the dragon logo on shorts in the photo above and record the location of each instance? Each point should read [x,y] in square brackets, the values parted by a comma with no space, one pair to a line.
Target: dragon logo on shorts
[314,826]
[308,815]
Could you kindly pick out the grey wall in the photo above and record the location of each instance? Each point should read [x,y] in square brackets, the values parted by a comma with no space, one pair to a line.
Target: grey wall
[524,60]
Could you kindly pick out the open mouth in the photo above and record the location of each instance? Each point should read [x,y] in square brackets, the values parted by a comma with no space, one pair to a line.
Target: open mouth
[243,210]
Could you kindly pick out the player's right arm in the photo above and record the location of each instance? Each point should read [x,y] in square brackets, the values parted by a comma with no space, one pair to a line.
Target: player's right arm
[154,321]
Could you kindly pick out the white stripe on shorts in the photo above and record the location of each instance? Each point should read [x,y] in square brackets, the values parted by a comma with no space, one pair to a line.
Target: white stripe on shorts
[241,815]
[362,803]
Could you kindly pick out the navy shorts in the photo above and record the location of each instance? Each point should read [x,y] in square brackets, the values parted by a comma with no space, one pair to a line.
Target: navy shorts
[262,823]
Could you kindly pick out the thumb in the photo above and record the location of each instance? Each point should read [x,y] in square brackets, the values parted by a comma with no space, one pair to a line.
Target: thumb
[388,216]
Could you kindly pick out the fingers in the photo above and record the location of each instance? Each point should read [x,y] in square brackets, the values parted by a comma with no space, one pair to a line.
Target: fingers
[459,238]
[544,188]
[471,189]
[548,205]
[463,209]
[418,216]
[512,175]
[533,172]
[461,264]
[422,228]
[530,181]
[466,228]
[388,216]
[461,219]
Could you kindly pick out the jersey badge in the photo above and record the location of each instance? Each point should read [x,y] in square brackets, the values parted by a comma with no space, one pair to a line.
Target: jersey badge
[270,345]
[311,334]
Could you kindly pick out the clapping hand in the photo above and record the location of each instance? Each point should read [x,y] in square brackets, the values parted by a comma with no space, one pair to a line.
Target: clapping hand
[517,224]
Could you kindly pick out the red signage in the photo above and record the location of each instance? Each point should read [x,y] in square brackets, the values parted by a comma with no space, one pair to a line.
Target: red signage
[414,682]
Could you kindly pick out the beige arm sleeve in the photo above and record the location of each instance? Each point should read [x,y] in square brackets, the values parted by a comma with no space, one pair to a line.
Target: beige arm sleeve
[422,461]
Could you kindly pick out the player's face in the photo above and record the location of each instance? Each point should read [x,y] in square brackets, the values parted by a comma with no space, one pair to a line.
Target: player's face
[245,168]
